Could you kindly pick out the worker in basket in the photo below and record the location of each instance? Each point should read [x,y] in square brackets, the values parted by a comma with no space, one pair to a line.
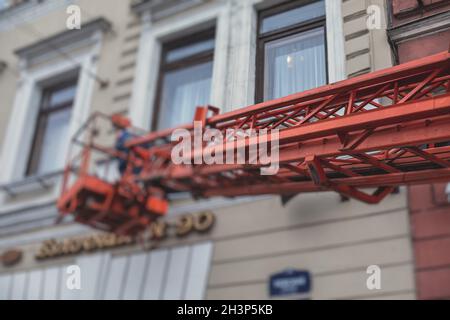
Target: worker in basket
[124,134]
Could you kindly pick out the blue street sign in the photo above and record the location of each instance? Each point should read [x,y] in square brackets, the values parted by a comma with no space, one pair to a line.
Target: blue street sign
[290,282]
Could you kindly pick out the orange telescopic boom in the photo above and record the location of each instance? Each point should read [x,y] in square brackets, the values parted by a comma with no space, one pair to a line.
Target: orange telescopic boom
[373,132]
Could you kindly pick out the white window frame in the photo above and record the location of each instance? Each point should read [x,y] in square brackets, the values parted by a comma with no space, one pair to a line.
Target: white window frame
[20,131]
[233,79]
[334,37]
[149,54]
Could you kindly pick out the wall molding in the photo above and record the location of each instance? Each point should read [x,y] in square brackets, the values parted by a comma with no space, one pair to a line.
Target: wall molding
[417,28]
[65,40]
[28,11]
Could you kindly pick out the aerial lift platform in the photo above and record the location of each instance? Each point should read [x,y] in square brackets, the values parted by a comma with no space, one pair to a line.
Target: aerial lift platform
[360,137]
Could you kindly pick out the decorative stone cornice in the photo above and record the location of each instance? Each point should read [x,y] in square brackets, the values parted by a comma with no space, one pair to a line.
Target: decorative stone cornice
[28,11]
[63,39]
[160,9]
[414,29]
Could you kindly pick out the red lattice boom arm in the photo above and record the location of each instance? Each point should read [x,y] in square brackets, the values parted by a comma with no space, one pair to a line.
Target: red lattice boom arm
[380,130]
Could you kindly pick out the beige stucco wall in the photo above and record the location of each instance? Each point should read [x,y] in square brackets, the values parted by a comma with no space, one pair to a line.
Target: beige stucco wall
[334,241]
[366,50]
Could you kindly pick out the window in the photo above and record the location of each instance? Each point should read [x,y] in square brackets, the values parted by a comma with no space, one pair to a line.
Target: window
[185,79]
[52,128]
[4,4]
[291,54]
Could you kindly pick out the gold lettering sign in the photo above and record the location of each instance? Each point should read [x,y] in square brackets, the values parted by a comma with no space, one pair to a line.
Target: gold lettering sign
[182,226]
[199,222]
[203,221]
[53,248]
[11,257]
[158,230]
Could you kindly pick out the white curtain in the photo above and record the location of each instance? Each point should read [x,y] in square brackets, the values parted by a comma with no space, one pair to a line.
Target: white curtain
[54,143]
[295,64]
[184,90]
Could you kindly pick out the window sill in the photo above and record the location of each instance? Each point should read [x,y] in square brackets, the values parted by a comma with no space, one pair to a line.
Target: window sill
[31,183]
[16,8]
[30,190]
[13,6]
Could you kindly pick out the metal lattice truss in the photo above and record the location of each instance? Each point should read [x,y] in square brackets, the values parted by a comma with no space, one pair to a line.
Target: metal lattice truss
[379,130]
[360,137]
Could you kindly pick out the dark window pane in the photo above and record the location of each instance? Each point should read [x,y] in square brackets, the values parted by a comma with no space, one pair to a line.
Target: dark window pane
[62,96]
[183,91]
[189,50]
[293,16]
[294,64]
[52,129]
[56,136]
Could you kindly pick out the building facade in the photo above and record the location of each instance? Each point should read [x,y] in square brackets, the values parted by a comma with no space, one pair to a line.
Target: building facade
[418,29]
[154,61]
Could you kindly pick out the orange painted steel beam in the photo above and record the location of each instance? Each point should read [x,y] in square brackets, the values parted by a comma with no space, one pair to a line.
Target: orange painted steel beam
[382,138]
[403,72]
[380,130]
[398,179]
